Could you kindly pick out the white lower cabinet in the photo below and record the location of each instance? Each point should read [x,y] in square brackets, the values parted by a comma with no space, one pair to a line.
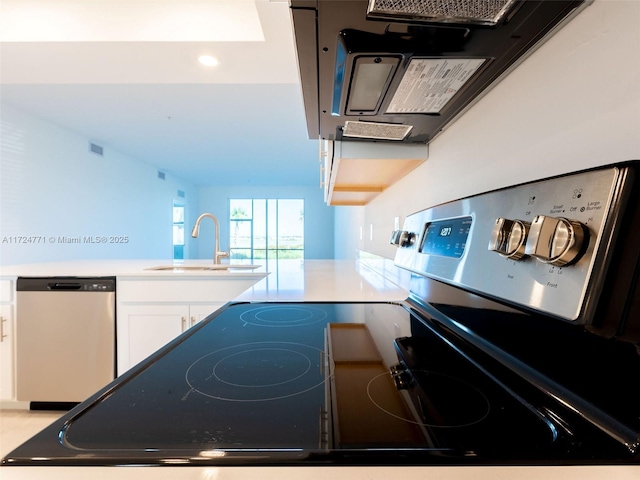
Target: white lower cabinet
[7,339]
[6,353]
[143,329]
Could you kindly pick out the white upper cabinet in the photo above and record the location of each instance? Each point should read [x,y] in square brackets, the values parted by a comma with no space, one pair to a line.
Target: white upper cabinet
[353,173]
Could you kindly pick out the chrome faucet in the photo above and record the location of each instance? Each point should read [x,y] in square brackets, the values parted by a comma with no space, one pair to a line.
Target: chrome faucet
[217,254]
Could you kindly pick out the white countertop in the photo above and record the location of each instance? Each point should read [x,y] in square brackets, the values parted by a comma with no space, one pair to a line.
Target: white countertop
[323,280]
[126,268]
[284,280]
[311,280]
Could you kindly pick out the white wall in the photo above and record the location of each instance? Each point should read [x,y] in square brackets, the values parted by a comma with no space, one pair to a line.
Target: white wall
[51,186]
[318,217]
[574,104]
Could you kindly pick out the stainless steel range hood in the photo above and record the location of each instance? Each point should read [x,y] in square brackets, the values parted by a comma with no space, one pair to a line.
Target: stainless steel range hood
[402,70]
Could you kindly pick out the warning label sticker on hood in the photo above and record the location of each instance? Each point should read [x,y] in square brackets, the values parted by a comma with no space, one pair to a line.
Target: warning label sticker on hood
[429,83]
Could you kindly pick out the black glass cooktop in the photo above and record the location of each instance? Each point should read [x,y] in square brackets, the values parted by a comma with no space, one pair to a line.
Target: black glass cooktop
[288,383]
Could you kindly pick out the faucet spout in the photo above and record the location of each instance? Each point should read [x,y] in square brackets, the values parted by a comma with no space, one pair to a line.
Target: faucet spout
[217,254]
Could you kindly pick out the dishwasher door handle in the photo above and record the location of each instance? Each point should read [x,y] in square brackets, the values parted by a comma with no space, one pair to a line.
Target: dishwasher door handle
[64,286]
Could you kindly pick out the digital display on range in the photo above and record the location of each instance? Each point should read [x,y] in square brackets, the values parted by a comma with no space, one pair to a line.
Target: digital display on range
[446,238]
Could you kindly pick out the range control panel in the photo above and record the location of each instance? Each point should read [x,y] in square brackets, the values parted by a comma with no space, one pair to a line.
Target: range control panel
[542,245]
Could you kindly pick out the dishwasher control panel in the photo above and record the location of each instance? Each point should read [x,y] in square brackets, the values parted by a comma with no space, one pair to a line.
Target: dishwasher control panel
[68,284]
[98,287]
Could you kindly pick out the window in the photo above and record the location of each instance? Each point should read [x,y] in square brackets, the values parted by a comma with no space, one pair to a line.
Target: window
[178,231]
[266,229]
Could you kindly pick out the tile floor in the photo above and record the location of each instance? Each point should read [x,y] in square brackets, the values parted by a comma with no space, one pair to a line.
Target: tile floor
[17,426]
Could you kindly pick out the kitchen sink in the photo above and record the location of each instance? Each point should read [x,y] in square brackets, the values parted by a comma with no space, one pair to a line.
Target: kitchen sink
[181,268]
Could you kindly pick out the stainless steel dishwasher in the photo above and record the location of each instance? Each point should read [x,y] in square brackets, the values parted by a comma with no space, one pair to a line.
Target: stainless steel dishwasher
[65,337]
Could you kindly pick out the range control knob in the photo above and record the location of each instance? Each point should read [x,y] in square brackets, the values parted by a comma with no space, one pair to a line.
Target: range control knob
[557,241]
[401,238]
[509,238]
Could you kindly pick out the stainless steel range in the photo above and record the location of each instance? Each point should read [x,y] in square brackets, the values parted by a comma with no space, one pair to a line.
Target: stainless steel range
[518,345]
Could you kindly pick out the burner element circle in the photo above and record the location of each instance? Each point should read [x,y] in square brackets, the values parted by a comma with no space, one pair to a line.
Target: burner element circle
[242,372]
[440,401]
[258,371]
[283,316]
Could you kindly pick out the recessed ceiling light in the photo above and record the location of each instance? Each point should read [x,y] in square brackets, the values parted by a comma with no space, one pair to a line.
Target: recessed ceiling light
[208,60]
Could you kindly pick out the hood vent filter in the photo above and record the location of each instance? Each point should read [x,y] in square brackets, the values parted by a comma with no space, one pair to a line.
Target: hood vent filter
[482,12]
[376,131]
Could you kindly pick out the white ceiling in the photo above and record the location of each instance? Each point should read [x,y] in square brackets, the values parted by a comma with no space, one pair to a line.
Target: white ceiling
[116,80]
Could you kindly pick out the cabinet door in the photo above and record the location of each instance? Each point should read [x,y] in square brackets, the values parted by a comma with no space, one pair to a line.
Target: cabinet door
[200,312]
[6,352]
[143,329]
[7,290]
[358,171]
